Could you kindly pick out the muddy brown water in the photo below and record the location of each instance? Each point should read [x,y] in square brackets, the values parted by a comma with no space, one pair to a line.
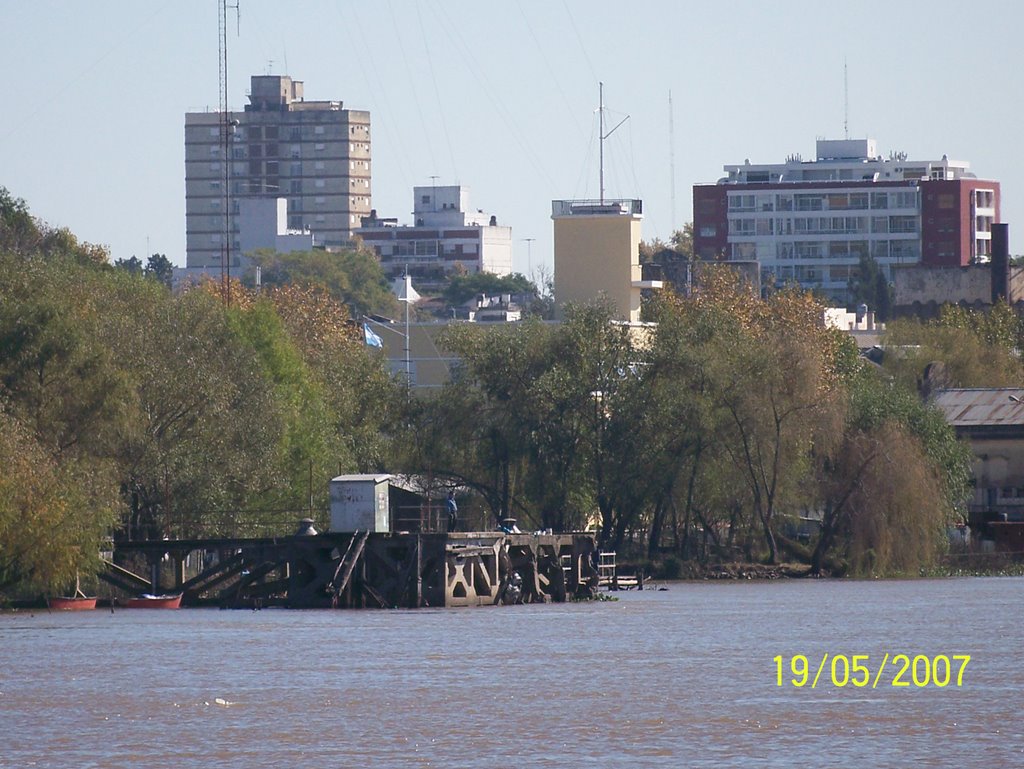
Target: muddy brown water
[680,678]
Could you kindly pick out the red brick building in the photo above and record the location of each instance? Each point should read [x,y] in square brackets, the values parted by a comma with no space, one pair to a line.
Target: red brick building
[811,221]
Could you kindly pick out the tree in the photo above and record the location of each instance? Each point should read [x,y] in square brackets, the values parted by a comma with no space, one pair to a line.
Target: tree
[159,267]
[23,235]
[892,452]
[354,278]
[132,265]
[975,349]
[462,288]
[868,285]
[53,516]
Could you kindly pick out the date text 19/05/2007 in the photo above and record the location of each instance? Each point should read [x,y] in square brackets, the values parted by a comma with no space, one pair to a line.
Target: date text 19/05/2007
[858,670]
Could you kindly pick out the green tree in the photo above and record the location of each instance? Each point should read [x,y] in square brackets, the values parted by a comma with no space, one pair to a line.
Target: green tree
[354,278]
[159,267]
[53,515]
[892,452]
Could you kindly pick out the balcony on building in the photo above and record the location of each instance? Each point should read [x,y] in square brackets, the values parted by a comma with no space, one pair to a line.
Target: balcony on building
[647,276]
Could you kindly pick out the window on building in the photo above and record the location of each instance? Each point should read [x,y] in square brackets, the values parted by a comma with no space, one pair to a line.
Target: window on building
[947,201]
[295,133]
[318,165]
[319,183]
[708,231]
[904,250]
[808,250]
[880,200]
[270,132]
[318,130]
[906,199]
[425,200]
[742,202]
[741,226]
[319,147]
[808,202]
[256,151]
[255,168]
[295,187]
[215,131]
[902,224]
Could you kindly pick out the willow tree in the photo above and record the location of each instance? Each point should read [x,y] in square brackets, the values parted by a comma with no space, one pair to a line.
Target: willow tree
[776,379]
[890,483]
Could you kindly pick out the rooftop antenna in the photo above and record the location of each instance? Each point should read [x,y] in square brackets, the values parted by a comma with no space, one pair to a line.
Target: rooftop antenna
[602,135]
[846,103]
[227,130]
[671,163]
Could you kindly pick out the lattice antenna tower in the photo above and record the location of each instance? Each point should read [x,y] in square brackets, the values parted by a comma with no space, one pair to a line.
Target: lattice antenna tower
[227,130]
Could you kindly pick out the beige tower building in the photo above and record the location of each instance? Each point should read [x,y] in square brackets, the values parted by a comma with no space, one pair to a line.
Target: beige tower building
[597,251]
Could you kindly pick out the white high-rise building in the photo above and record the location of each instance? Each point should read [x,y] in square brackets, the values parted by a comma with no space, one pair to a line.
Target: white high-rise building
[446,235]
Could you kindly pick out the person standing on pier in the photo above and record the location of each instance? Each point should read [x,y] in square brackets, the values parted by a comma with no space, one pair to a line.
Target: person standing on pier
[453,511]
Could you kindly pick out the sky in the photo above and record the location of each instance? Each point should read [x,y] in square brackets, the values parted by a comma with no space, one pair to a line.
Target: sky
[502,97]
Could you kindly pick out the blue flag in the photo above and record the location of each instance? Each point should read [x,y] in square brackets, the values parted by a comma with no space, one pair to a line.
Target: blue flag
[371,338]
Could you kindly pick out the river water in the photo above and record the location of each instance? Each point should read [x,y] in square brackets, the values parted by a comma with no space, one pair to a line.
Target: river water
[684,677]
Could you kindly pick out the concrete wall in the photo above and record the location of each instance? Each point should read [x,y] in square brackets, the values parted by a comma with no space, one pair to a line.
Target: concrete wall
[922,290]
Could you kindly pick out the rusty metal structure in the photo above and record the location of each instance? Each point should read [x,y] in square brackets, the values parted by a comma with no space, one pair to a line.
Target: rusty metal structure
[362,569]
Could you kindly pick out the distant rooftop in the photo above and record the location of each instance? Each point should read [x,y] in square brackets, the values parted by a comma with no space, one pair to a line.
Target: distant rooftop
[846,160]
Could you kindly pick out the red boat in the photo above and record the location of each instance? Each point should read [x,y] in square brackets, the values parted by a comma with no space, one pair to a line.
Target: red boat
[71,603]
[147,601]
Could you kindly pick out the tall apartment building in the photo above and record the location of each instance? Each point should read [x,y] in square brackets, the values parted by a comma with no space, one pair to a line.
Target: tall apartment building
[314,154]
[446,233]
[811,221]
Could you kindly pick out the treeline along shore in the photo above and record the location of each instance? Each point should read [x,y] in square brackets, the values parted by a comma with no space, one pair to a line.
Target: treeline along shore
[728,428]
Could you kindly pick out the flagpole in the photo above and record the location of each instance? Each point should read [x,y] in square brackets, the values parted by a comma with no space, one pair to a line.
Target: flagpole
[408,373]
